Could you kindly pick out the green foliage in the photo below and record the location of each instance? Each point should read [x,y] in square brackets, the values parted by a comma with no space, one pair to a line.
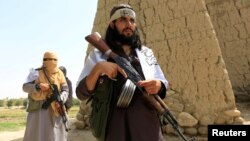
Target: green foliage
[10,102]
[2,103]
[76,102]
[23,102]
[18,102]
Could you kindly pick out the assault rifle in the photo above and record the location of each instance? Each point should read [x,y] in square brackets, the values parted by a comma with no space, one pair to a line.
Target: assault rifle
[159,105]
[57,98]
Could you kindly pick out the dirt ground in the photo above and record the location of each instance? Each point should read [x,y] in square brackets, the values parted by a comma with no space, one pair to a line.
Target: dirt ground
[85,135]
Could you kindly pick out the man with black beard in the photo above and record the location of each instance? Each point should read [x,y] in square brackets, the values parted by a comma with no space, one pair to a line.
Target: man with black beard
[119,111]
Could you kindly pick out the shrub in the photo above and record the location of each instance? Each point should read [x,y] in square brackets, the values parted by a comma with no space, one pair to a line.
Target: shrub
[18,102]
[10,102]
[25,102]
[76,102]
[2,103]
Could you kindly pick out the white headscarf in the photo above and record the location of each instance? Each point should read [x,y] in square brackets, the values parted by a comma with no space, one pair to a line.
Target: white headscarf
[122,13]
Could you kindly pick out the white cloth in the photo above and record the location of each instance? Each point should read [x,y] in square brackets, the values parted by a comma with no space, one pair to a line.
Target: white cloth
[150,67]
[123,13]
[39,127]
[33,75]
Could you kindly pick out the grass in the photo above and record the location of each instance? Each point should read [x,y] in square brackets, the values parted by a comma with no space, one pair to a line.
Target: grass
[73,111]
[15,119]
[12,119]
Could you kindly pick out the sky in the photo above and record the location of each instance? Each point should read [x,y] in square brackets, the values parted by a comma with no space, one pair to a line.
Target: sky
[28,28]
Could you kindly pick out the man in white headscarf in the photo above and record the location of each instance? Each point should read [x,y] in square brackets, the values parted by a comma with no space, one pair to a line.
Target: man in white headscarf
[44,122]
[136,121]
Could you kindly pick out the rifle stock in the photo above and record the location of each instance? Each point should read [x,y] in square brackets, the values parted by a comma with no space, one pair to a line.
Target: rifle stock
[154,100]
[96,40]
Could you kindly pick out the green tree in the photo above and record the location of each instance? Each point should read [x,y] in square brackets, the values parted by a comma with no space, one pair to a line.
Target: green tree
[18,102]
[10,102]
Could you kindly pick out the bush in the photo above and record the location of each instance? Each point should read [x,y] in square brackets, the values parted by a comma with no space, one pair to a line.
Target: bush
[10,102]
[2,103]
[18,102]
[76,102]
[25,102]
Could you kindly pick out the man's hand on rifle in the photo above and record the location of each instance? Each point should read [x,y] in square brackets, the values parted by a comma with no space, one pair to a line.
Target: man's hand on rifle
[103,68]
[59,108]
[109,69]
[44,87]
[152,86]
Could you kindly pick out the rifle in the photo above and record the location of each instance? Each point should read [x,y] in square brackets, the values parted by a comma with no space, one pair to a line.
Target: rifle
[56,97]
[159,105]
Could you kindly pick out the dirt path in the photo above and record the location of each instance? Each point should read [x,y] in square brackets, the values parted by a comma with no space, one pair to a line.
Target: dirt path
[85,135]
[12,136]
[73,135]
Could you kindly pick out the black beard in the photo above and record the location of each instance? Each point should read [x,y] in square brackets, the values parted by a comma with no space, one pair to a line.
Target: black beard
[123,39]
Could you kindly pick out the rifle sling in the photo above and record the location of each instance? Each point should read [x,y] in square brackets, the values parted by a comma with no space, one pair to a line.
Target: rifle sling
[49,100]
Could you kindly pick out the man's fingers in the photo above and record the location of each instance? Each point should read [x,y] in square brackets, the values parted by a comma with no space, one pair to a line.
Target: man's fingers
[144,83]
[122,72]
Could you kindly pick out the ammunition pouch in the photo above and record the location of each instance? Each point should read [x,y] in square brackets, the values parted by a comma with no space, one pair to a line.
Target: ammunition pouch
[33,105]
[100,107]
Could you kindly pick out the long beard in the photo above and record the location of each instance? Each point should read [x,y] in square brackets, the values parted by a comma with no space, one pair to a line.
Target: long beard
[124,39]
